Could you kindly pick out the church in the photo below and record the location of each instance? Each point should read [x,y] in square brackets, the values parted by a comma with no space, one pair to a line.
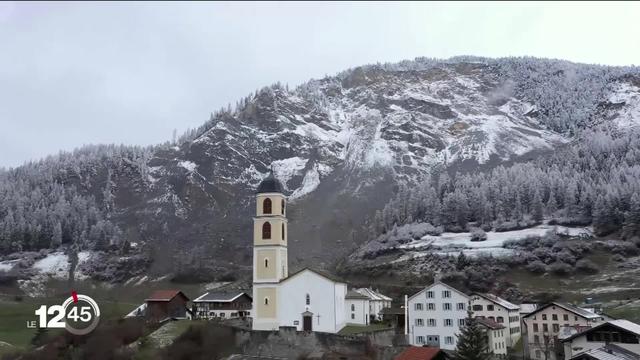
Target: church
[309,300]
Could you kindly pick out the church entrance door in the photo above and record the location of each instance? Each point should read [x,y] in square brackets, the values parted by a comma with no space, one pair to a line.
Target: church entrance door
[307,322]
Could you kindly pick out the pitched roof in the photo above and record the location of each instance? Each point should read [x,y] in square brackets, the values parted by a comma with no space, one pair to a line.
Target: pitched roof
[165,295]
[351,294]
[418,353]
[435,283]
[221,296]
[319,272]
[574,309]
[621,324]
[608,352]
[499,301]
[489,323]
[373,294]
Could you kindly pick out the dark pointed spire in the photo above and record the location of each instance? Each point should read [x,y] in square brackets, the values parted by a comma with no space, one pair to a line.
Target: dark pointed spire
[270,184]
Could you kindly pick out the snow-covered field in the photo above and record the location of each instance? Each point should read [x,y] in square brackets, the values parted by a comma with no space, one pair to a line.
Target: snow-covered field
[455,242]
[55,265]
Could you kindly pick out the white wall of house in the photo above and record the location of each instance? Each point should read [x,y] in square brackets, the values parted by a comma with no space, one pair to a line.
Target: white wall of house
[438,325]
[498,341]
[580,344]
[211,314]
[327,302]
[500,314]
[357,311]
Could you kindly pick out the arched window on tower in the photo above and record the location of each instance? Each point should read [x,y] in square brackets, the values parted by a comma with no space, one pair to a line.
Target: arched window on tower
[266,230]
[266,301]
[282,231]
[353,307]
[282,207]
[266,206]
[266,263]
[308,299]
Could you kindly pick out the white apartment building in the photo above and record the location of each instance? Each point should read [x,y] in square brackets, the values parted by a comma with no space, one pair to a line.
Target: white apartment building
[496,336]
[435,316]
[501,311]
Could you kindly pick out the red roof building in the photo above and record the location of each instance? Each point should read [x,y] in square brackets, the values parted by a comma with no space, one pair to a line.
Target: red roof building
[421,353]
[166,304]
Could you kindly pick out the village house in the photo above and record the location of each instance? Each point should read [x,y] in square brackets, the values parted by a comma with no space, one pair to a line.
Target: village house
[499,310]
[496,336]
[622,333]
[435,315]
[167,304]
[310,299]
[223,304]
[543,325]
[607,352]
[377,302]
[358,307]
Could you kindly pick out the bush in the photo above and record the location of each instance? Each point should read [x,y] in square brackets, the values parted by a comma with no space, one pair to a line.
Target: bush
[587,266]
[478,235]
[560,268]
[536,267]
[617,258]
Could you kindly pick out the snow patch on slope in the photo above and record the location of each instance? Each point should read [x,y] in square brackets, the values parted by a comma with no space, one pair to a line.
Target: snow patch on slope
[190,166]
[309,183]
[629,114]
[286,169]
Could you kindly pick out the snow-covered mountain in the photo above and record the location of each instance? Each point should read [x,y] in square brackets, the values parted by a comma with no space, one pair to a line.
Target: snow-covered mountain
[341,146]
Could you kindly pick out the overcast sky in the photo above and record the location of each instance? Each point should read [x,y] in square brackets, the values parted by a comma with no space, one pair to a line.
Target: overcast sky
[74,73]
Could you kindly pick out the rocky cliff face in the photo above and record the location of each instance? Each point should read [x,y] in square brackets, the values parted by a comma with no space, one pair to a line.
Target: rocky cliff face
[342,145]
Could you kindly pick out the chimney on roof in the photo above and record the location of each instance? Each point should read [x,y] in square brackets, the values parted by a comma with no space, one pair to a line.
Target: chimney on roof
[437,276]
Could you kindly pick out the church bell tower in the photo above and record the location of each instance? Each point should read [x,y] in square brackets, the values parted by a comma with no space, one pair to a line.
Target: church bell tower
[269,252]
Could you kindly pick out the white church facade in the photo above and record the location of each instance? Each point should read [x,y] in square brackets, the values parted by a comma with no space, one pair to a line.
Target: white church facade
[309,300]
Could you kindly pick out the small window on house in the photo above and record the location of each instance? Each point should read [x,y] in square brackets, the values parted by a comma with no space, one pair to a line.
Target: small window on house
[353,307]
[565,317]
[266,263]
[282,207]
[266,206]
[446,294]
[266,231]
[477,307]
[499,319]
[308,299]
[489,307]
[430,294]
[418,306]
[461,322]
[460,306]
[353,316]
[420,339]
[448,340]
[544,316]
